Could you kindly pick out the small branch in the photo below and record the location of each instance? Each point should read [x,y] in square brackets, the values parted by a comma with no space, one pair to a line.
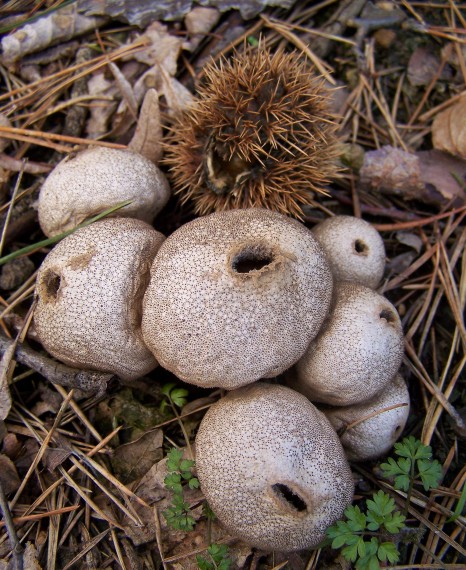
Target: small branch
[17,547]
[57,373]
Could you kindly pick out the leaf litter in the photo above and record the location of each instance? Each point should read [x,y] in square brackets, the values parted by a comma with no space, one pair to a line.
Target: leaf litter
[84,477]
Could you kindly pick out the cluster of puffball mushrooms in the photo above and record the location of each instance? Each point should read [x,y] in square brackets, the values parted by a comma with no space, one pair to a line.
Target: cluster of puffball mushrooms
[226,301]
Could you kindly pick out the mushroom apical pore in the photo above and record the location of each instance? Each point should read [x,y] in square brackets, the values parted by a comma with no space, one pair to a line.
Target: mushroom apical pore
[234,297]
[354,249]
[272,467]
[369,430]
[96,179]
[89,297]
[357,352]
[261,134]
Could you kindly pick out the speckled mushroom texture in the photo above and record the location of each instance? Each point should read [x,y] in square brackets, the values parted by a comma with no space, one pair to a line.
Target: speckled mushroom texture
[235,296]
[96,179]
[272,467]
[373,426]
[354,249]
[89,297]
[357,352]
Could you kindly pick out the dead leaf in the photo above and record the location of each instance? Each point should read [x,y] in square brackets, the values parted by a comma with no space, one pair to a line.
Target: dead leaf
[444,177]
[132,460]
[104,106]
[392,171]
[30,558]
[449,129]
[422,67]
[11,445]
[427,176]
[147,139]
[199,21]
[410,239]
[8,475]
[163,48]
[5,397]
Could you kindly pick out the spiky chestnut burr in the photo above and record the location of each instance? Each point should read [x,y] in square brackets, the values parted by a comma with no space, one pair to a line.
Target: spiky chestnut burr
[260,135]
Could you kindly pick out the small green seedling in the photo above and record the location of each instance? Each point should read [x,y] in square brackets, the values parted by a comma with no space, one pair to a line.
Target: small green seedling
[362,534]
[178,514]
[217,558]
[369,538]
[415,463]
[174,397]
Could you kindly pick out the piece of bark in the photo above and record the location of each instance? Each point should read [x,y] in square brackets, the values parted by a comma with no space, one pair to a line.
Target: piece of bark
[60,26]
[88,381]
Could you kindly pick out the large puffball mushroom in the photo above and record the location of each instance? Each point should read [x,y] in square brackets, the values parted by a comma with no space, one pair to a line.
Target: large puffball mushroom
[89,297]
[354,249]
[370,429]
[272,468]
[235,296]
[96,179]
[357,352]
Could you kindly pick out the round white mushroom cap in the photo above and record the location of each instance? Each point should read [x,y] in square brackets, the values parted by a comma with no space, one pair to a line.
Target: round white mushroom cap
[272,467]
[89,297]
[383,420]
[357,352]
[235,296]
[96,179]
[354,249]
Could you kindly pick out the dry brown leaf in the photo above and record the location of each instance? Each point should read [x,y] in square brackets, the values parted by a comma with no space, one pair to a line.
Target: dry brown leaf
[199,21]
[427,176]
[449,129]
[422,67]
[30,558]
[133,460]
[101,110]
[444,177]
[5,397]
[8,475]
[147,139]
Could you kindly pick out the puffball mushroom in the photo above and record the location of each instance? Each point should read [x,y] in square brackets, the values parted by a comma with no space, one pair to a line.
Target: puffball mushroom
[354,249]
[375,425]
[272,468]
[357,352]
[96,179]
[89,297]
[235,296]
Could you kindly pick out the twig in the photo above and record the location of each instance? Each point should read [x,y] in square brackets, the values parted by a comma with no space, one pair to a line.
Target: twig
[85,380]
[15,543]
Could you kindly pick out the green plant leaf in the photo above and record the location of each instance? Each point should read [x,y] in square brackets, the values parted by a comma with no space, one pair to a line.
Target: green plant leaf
[395,523]
[179,396]
[174,459]
[459,506]
[167,388]
[193,483]
[430,472]
[356,519]
[388,551]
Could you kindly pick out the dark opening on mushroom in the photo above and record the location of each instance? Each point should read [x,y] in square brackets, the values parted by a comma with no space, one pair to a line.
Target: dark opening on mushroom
[52,284]
[286,494]
[252,258]
[387,315]
[360,247]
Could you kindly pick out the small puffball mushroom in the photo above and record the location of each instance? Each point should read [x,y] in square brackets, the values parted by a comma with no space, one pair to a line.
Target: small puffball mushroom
[235,296]
[96,179]
[89,297]
[357,352]
[272,468]
[370,429]
[354,249]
